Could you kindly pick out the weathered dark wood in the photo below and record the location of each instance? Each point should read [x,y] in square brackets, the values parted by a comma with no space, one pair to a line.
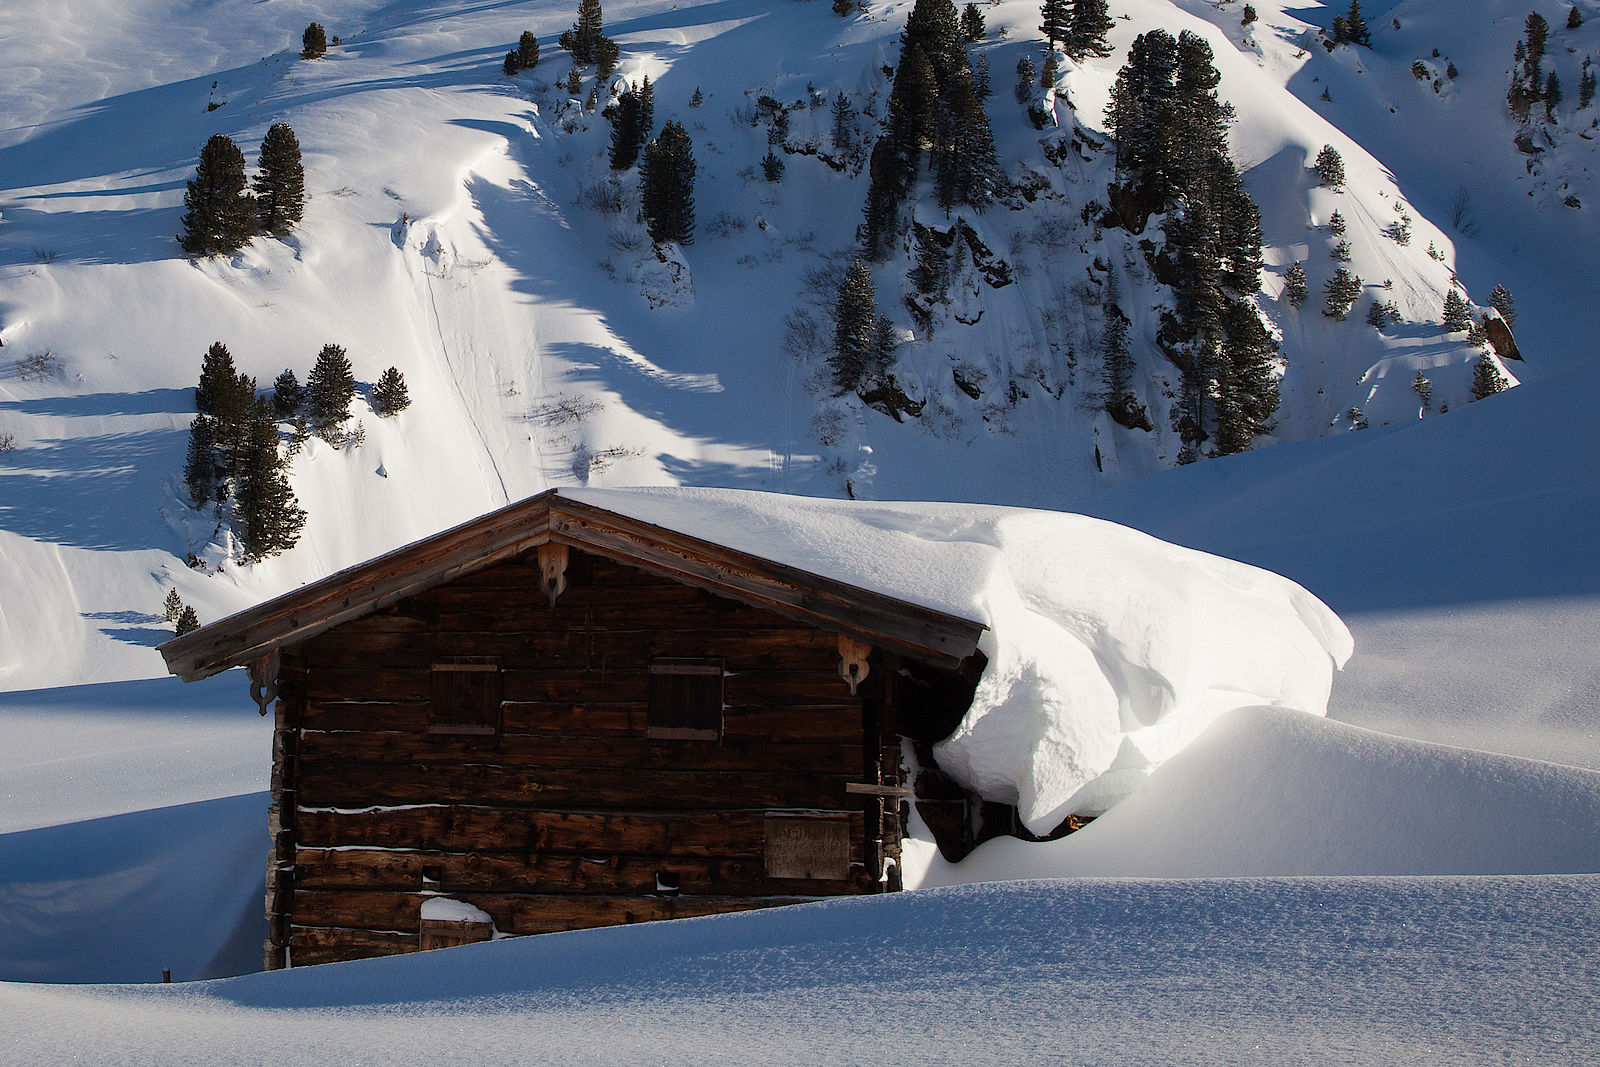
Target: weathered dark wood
[312,945]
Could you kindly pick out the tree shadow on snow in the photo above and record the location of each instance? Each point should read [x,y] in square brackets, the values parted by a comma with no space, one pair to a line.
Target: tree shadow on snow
[97,492]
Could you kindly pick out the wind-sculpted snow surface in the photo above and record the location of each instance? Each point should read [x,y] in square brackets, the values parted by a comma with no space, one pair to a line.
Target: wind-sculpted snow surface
[1108,649]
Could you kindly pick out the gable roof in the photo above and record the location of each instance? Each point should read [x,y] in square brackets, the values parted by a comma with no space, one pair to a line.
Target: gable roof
[936,637]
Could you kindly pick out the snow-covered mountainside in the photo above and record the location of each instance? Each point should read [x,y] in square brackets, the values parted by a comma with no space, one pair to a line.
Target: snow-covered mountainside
[465,227]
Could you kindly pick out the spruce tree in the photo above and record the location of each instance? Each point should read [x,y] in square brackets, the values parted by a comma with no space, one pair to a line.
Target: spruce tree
[188,621]
[647,108]
[1423,388]
[1330,168]
[972,26]
[1500,299]
[281,185]
[857,340]
[586,33]
[287,396]
[606,54]
[966,166]
[528,50]
[217,379]
[172,605]
[980,79]
[329,390]
[509,65]
[1574,18]
[200,462]
[1586,85]
[698,98]
[267,510]
[1342,291]
[1552,96]
[1057,21]
[843,124]
[771,167]
[390,396]
[627,132]
[1538,32]
[843,8]
[1247,385]
[1356,31]
[1457,312]
[1091,22]
[1116,374]
[1294,284]
[1336,225]
[1486,378]
[221,215]
[666,186]
[1025,72]
[314,42]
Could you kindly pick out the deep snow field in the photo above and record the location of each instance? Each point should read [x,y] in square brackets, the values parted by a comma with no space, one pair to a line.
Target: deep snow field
[1411,878]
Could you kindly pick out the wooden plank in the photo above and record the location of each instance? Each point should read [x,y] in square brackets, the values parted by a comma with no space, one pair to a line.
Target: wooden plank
[463,829]
[309,945]
[573,752]
[337,782]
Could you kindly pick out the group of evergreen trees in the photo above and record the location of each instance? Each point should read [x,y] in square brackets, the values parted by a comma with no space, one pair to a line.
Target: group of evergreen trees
[1352,28]
[935,107]
[524,57]
[1531,84]
[863,340]
[1078,26]
[1171,143]
[587,42]
[632,118]
[222,216]
[233,454]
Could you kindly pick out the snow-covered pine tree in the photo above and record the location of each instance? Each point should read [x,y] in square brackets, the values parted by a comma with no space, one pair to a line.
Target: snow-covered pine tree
[1336,225]
[1500,299]
[1424,390]
[287,395]
[966,167]
[313,42]
[1342,291]
[855,330]
[1294,284]
[281,185]
[1142,113]
[528,50]
[980,79]
[1091,21]
[1457,312]
[329,390]
[390,396]
[627,130]
[1247,381]
[1330,168]
[172,605]
[1486,378]
[221,215]
[666,186]
[268,513]
[1025,72]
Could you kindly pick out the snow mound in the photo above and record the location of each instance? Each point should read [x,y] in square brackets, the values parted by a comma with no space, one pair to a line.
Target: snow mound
[1108,649]
[1268,793]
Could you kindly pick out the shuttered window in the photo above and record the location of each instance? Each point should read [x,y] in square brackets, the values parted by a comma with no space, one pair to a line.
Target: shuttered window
[685,699]
[465,696]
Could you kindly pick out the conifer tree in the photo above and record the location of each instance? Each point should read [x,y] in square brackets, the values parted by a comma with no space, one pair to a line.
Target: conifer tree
[966,167]
[1552,96]
[972,25]
[287,395]
[1457,312]
[698,98]
[1574,18]
[314,42]
[1091,22]
[1356,31]
[627,132]
[1342,291]
[390,396]
[1377,316]
[583,40]
[1537,31]
[1025,72]
[772,167]
[606,54]
[1500,299]
[843,123]
[1586,85]
[200,462]
[329,390]
[858,335]
[1486,378]
[666,186]
[1330,167]
[509,65]
[1116,374]
[172,605]
[221,215]
[1294,284]
[843,8]
[1247,386]
[980,79]
[267,510]
[188,621]
[281,185]
[1423,388]
[217,379]
[647,108]
[1336,224]
[528,50]
[1057,20]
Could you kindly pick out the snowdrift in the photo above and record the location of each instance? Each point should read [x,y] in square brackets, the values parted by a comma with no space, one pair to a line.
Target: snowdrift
[1108,649]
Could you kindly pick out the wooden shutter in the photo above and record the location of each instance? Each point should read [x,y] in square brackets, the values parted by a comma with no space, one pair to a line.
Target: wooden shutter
[465,696]
[685,699]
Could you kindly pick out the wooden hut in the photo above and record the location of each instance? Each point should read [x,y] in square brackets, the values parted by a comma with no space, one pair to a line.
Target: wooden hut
[556,717]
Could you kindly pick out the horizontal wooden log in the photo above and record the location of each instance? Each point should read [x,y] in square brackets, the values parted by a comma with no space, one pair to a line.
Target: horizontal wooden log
[336,782]
[453,873]
[512,913]
[313,945]
[602,752]
[461,828]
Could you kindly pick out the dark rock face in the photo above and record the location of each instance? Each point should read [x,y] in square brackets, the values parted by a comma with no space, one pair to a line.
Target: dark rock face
[1500,339]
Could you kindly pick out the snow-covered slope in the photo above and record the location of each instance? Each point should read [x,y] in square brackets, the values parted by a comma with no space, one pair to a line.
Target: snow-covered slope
[457,229]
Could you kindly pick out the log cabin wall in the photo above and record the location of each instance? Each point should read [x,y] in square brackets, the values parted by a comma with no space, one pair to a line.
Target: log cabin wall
[579,805]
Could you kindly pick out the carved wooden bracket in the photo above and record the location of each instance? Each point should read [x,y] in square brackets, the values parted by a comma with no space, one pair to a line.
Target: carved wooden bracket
[264,681]
[853,661]
[553,569]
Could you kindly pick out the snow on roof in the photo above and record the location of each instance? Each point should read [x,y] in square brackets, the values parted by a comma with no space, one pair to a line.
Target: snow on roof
[1108,649]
